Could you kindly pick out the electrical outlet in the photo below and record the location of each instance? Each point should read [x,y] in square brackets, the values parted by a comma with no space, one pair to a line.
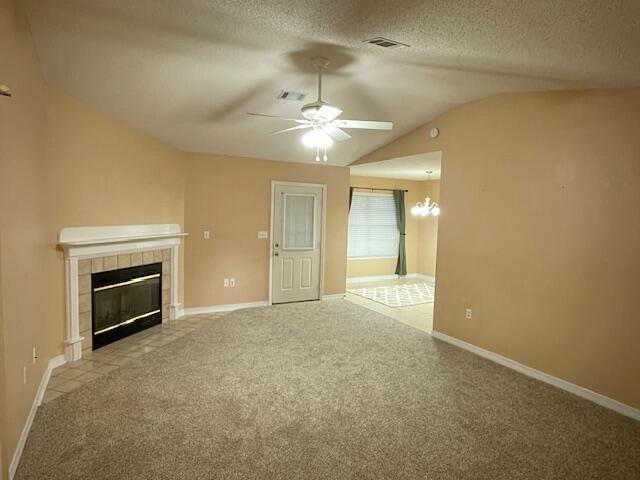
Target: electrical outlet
[206,235]
[468,313]
[232,282]
[24,375]
[35,355]
[226,282]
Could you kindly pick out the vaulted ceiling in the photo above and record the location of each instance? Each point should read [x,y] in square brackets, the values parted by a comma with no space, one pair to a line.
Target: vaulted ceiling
[187,71]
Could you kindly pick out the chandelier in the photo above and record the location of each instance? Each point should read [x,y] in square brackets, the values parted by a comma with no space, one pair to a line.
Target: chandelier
[426,208]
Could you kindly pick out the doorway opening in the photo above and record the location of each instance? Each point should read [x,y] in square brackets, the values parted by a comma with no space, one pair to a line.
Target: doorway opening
[395,201]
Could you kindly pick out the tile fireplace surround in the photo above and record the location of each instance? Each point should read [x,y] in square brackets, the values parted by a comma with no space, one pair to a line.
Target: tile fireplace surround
[90,250]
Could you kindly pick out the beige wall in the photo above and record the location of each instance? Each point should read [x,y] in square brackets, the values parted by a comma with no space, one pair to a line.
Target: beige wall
[102,172]
[231,197]
[3,392]
[387,266]
[62,163]
[540,230]
[23,232]
[428,232]
[3,396]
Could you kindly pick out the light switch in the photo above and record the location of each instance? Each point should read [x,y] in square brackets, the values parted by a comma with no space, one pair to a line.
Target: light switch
[206,234]
[263,234]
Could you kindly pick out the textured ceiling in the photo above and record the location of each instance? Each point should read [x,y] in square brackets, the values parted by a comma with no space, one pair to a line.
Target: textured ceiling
[412,167]
[187,71]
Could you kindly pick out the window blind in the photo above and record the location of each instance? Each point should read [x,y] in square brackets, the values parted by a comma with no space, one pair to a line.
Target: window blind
[373,231]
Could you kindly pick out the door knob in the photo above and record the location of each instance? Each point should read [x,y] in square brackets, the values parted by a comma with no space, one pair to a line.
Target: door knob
[276,254]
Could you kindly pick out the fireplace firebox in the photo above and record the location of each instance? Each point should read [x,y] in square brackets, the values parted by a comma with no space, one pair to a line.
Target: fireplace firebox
[124,302]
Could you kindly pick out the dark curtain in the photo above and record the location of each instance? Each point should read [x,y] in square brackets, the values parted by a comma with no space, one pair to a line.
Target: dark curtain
[401,264]
[350,197]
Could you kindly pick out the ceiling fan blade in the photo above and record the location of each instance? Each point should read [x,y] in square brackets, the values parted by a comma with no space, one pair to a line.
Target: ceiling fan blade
[291,128]
[336,133]
[362,124]
[328,113]
[297,120]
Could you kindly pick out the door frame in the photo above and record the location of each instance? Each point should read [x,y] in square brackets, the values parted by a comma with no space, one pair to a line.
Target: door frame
[323,186]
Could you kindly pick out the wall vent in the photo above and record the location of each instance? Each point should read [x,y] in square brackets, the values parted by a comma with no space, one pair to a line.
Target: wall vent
[292,96]
[385,42]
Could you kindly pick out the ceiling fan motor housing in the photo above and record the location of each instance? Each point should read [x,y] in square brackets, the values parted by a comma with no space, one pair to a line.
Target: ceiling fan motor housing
[311,110]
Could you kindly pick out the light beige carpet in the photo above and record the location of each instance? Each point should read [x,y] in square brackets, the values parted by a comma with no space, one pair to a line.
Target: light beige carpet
[323,390]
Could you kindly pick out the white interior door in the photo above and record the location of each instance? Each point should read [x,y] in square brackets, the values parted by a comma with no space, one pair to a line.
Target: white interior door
[296,243]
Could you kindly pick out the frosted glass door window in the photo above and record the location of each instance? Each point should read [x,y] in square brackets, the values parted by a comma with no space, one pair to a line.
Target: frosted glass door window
[299,211]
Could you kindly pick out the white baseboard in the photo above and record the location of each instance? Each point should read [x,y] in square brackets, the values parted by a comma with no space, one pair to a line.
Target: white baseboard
[237,306]
[372,278]
[427,278]
[382,278]
[223,308]
[335,296]
[37,401]
[585,393]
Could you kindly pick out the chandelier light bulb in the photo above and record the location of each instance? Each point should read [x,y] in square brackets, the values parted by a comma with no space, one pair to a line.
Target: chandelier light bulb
[316,138]
[435,211]
[415,210]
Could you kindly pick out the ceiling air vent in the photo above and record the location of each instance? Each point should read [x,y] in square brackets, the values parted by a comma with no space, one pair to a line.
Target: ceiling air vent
[385,42]
[292,96]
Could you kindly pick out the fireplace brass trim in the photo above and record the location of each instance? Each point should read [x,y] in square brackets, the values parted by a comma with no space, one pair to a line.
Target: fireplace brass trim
[126,322]
[128,282]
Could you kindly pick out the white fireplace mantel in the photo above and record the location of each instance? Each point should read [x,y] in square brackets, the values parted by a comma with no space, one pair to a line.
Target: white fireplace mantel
[89,242]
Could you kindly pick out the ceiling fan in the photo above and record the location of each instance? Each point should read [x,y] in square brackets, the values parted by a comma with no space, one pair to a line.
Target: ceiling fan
[323,121]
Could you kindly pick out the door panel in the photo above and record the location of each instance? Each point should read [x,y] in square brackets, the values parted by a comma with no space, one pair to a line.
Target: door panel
[287,274]
[296,243]
[306,272]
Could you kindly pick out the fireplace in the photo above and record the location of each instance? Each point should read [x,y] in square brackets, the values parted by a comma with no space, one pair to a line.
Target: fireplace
[120,279]
[124,302]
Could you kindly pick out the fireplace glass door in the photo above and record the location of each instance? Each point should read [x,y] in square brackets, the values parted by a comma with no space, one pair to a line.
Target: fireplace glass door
[125,301]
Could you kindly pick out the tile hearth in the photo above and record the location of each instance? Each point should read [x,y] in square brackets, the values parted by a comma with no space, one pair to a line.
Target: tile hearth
[95,364]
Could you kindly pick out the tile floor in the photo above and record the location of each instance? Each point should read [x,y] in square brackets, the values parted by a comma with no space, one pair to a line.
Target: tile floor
[417,316]
[70,376]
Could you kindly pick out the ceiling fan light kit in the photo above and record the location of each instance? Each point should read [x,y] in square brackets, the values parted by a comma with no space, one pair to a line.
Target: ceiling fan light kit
[316,138]
[322,119]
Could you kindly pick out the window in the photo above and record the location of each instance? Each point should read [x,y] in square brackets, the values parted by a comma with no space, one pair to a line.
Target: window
[373,231]
[298,221]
